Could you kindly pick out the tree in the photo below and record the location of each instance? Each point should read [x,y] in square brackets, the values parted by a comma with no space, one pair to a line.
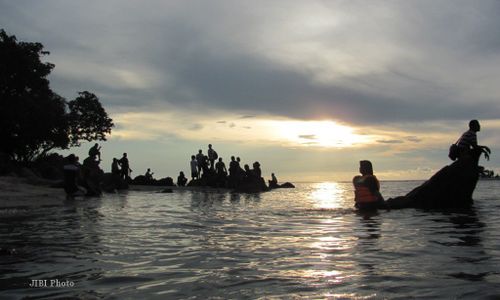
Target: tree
[33,118]
[87,119]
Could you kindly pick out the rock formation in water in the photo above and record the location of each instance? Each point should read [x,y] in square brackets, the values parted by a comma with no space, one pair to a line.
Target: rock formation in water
[450,188]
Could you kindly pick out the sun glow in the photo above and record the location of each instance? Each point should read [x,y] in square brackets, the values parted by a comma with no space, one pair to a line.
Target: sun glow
[328,195]
[320,134]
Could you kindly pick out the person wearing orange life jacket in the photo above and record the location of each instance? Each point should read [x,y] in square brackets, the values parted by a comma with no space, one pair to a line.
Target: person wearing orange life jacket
[367,188]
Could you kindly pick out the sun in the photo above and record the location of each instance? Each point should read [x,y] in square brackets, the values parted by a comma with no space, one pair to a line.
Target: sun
[319,134]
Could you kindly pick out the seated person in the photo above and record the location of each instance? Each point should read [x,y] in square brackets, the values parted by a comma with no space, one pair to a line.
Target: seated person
[273,183]
[367,188]
[149,175]
[95,152]
[468,141]
[181,179]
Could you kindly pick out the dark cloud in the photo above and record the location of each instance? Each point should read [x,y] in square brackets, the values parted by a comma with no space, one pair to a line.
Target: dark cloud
[308,136]
[417,61]
[414,139]
[390,141]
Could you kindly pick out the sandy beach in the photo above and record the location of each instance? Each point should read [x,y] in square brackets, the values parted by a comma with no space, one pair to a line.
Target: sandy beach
[19,191]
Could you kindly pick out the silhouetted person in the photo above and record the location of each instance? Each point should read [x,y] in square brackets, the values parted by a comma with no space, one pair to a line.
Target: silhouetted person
[273,183]
[212,156]
[367,188]
[204,166]
[194,167]
[248,174]
[71,175]
[468,141]
[234,167]
[92,174]
[181,179]
[256,169]
[200,158]
[115,167]
[241,171]
[149,175]
[220,168]
[125,168]
[95,151]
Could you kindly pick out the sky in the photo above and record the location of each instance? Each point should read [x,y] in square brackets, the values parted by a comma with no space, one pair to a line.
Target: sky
[307,88]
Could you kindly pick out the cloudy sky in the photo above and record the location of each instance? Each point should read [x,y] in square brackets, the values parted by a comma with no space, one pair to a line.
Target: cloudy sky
[308,88]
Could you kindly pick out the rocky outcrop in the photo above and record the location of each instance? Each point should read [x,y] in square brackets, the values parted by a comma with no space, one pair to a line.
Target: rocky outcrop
[286,185]
[143,180]
[450,188]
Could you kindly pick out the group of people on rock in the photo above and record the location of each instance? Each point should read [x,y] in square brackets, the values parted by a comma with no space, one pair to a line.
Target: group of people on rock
[212,166]
[85,178]
[120,167]
[367,187]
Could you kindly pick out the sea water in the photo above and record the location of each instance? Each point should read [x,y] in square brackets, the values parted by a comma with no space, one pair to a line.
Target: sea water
[306,242]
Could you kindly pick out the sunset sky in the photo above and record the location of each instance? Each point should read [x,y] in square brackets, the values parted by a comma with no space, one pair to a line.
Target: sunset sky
[307,88]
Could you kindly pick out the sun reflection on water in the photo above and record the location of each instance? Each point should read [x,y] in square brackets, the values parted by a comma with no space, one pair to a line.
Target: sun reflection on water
[327,195]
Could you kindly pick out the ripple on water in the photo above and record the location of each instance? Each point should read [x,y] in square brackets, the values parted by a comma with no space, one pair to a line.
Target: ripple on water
[306,243]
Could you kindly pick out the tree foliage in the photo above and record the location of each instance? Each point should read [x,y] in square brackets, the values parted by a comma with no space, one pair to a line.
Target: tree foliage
[33,118]
[87,119]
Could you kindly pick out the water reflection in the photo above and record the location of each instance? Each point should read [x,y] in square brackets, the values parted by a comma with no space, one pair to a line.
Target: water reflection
[328,195]
[56,242]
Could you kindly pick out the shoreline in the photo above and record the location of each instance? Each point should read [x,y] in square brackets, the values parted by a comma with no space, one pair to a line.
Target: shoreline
[16,191]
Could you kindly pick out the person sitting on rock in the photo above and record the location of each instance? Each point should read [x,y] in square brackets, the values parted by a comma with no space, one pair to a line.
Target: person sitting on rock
[468,141]
[194,168]
[149,175]
[273,183]
[71,175]
[181,179]
[367,188]
[95,151]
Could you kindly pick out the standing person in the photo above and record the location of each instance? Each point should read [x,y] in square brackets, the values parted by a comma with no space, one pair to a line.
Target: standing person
[468,141]
[125,168]
[115,167]
[220,168]
[200,158]
[71,175]
[221,171]
[212,156]
[256,169]
[95,151]
[194,168]
[367,188]
[234,167]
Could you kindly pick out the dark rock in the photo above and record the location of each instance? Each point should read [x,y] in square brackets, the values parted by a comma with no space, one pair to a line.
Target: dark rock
[167,181]
[450,188]
[111,182]
[167,191]
[286,185]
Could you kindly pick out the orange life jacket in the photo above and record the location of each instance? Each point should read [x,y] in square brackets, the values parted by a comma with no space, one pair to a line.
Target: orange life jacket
[362,193]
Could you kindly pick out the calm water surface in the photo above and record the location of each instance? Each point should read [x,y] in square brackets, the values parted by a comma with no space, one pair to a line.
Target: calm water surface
[306,242]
